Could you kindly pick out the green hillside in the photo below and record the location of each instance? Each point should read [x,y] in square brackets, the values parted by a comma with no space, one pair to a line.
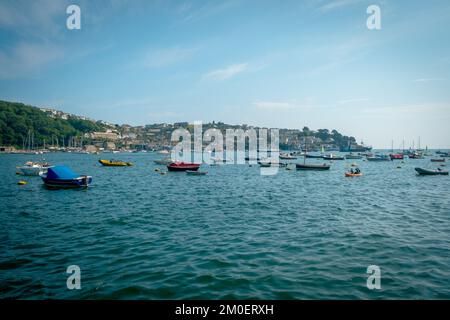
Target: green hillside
[18,121]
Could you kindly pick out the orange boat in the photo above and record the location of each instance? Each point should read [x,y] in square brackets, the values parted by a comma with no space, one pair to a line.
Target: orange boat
[349,174]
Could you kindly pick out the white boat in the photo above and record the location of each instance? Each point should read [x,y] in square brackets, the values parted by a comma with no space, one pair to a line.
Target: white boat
[33,169]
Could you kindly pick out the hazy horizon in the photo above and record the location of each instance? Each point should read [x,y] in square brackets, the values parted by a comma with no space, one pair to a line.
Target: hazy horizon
[307,63]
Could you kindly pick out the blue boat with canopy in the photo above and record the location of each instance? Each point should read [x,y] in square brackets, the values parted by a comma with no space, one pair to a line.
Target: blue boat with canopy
[63,177]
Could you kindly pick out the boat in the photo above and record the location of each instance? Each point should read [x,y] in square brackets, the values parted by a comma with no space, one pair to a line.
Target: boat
[438,160]
[62,177]
[115,163]
[396,156]
[183,166]
[415,155]
[353,156]
[32,168]
[349,174]
[164,162]
[314,156]
[164,151]
[312,167]
[286,156]
[332,157]
[195,173]
[379,157]
[429,172]
[317,167]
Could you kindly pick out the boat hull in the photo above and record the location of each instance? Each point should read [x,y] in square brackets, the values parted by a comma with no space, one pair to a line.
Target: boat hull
[31,171]
[427,172]
[348,174]
[81,182]
[316,167]
[109,163]
[183,167]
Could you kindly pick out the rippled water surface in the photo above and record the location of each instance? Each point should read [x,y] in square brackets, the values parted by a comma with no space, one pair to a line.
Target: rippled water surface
[231,234]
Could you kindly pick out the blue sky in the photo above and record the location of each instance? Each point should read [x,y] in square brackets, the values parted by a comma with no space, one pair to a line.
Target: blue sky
[283,64]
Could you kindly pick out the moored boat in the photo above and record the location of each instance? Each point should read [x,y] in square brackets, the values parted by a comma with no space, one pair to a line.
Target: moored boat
[317,167]
[115,163]
[438,160]
[379,157]
[314,156]
[353,156]
[396,156]
[333,157]
[286,156]
[62,177]
[33,168]
[429,172]
[183,166]
[164,162]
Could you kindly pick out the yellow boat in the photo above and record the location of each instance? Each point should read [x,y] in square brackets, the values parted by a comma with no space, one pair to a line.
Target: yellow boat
[115,163]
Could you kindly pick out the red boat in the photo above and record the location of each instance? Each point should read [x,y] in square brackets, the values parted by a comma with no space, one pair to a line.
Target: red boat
[396,156]
[183,166]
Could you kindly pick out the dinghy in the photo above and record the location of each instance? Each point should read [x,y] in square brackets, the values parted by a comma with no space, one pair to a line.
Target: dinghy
[429,172]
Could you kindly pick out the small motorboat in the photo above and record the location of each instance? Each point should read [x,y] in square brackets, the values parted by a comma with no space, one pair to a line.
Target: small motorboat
[22,182]
[396,156]
[352,156]
[62,177]
[313,156]
[317,167]
[332,157]
[195,173]
[163,162]
[429,172]
[286,156]
[32,168]
[183,166]
[378,157]
[438,160]
[415,155]
[115,163]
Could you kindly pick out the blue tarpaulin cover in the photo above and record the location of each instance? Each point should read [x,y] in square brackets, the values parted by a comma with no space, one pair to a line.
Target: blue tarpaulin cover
[61,172]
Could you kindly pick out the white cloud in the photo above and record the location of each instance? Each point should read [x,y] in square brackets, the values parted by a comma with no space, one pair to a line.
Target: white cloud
[428,79]
[227,72]
[337,4]
[27,58]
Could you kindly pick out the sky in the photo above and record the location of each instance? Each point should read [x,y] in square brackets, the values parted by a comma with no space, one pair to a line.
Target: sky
[279,64]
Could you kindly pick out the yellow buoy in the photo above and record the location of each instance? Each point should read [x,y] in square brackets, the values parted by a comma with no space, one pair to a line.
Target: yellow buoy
[22,183]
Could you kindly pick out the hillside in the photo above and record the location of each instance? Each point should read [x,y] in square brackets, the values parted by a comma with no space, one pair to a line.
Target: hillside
[17,120]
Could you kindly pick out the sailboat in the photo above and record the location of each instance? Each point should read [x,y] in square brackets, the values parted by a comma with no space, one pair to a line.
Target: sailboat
[315,167]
